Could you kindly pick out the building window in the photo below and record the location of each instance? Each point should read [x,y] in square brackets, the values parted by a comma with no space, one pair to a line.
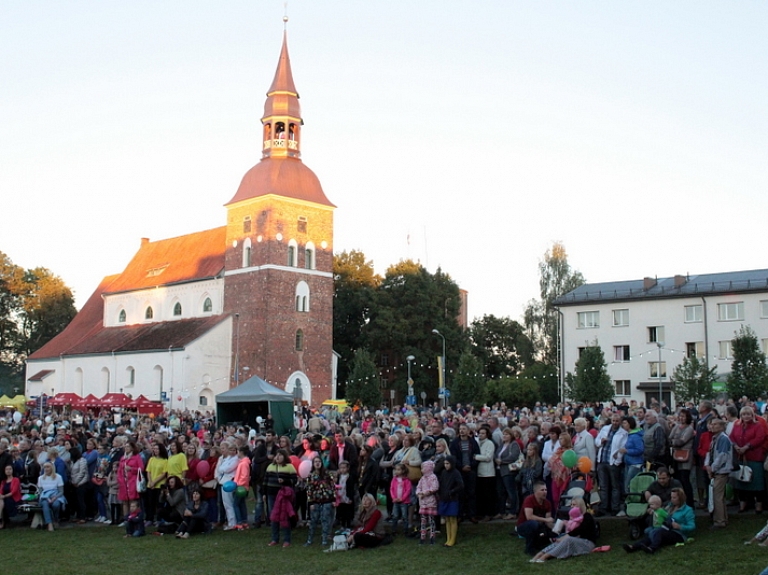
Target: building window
[726,352]
[654,369]
[121,316]
[302,297]
[620,317]
[656,334]
[177,309]
[247,225]
[299,340]
[694,349]
[301,225]
[207,305]
[730,311]
[293,258]
[309,256]
[384,360]
[765,345]
[694,313]
[588,319]
[247,253]
[131,376]
[623,386]
[620,353]
[149,313]
[203,400]
[581,350]
[764,308]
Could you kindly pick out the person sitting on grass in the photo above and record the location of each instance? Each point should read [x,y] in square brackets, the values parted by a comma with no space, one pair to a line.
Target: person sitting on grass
[134,521]
[761,537]
[535,522]
[368,529]
[580,539]
[195,516]
[677,528]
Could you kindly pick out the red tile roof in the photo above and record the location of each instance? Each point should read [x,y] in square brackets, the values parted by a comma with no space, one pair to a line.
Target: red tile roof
[40,375]
[286,177]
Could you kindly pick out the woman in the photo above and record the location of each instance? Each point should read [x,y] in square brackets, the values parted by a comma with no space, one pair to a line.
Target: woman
[531,471]
[157,472]
[368,527]
[560,474]
[385,469]
[632,450]
[279,480]
[681,439]
[441,452]
[128,471]
[747,437]
[369,472]
[678,526]
[51,488]
[79,479]
[449,495]
[10,495]
[321,495]
[209,486]
[507,467]
[225,472]
[191,478]
[486,475]
[172,502]
[195,518]
[177,460]
[409,456]
[579,541]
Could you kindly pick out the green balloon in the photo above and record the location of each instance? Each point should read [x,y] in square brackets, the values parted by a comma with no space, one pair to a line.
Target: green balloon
[728,491]
[570,459]
[241,491]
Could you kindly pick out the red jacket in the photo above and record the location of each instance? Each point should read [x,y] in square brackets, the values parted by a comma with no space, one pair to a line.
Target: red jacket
[15,489]
[752,434]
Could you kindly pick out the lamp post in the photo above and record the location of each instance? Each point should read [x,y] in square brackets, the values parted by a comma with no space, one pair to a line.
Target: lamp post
[444,383]
[409,359]
[237,350]
[660,344]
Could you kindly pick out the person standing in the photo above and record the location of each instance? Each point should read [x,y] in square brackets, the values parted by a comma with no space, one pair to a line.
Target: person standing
[610,462]
[718,464]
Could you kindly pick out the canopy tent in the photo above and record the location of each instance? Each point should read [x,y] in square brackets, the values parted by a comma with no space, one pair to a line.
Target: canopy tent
[64,399]
[255,398]
[19,402]
[144,405]
[89,400]
[115,400]
[5,401]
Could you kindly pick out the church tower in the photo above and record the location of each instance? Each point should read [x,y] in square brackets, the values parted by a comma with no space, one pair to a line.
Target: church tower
[279,259]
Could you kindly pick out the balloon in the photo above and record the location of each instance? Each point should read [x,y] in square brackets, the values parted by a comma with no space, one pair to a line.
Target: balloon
[570,458]
[305,468]
[17,417]
[728,491]
[229,486]
[295,461]
[203,467]
[241,492]
[48,419]
[381,499]
[39,423]
[585,464]
[259,420]
[151,415]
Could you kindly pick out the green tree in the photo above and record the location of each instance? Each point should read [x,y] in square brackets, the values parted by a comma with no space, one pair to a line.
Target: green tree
[48,306]
[749,373]
[545,376]
[692,380]
[590,382]
[363,383]
[556,278]
[514,391]
[501,344]
[468,385]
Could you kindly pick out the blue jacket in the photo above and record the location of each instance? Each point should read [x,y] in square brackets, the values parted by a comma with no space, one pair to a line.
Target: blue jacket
[687,520]
[634,447]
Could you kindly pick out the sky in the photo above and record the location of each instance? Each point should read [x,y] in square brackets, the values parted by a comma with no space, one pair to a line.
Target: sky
[469,136]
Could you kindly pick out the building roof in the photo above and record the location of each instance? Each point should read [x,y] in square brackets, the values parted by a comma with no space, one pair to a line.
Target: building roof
[285,177]
[282,97]
[670,287]
[254,389]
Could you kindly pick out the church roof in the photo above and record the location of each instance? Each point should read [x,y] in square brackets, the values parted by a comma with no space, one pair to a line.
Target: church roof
[286,177]
[282,97]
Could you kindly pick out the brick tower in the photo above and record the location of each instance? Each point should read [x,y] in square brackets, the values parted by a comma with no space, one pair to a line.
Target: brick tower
[279,259]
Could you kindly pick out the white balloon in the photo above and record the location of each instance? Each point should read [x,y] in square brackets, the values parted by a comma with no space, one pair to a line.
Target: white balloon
[48,419]
[39,423]
[17,417]
[259,420]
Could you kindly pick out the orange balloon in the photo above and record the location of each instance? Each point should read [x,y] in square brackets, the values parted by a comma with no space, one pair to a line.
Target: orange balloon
[585,464]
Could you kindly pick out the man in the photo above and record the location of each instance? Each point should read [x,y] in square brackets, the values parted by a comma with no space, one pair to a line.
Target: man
[436,431]
[343,450]
[701,443]
[496,436]
[654,440]
[464,448]
[535,521]
[718,464]
[663,486]
[610,466]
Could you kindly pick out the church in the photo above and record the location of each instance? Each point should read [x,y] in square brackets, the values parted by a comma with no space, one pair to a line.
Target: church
[193,316]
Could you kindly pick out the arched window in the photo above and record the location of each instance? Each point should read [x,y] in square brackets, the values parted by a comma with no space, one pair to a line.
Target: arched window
[121,316]
[293,253]
[247,253]
[177,309]
[309,256]
[131,376]
[207,305]
[149,313]
[302,296]
[279,131]
[247,225]
[299,340]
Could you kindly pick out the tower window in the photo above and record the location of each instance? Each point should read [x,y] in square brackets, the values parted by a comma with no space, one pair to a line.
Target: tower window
[299,340]
[292,131]
[280,131]
[247,253]
[301,225]
[309,256]
[177,309]
[247,225]
[293,256]
[207,305]
[121,316]
[302,297]
[149,313]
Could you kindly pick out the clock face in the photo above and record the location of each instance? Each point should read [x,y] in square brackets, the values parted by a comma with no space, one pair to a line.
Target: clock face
[279,237]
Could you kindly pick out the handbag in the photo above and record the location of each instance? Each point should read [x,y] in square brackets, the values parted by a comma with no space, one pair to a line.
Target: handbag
[681,455]
[141,482]
[414,473]
[743,473]
[517,465]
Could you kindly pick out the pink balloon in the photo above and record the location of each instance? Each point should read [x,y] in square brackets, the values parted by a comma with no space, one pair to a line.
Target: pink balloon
[203,467]
[305,468]
[295,461]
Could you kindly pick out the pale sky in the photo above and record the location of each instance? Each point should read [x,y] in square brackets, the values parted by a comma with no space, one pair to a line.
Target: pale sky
[634,132]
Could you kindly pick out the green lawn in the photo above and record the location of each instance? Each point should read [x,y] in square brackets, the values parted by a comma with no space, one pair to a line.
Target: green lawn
[485,548]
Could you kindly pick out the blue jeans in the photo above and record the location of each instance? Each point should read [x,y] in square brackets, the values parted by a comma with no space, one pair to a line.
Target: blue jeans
[536,535]
[609,478]
[506,487]
[258,512]
[51,510]
[241,510]
[321,514]
[399,511]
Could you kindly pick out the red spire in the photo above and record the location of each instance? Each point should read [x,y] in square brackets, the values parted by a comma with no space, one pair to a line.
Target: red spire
[283,81]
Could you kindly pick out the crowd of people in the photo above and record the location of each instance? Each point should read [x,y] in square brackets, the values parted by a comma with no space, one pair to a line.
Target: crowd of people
[422,471]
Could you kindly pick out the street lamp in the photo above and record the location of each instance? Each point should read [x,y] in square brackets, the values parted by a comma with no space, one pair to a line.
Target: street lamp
[237,351]
[409,359]
[660,344]
[443,382]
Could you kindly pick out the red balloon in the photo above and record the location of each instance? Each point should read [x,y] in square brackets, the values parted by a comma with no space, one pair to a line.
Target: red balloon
[203,467]
[295,461]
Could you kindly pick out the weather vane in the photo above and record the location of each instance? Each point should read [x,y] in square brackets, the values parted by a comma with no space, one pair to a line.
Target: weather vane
[285,16]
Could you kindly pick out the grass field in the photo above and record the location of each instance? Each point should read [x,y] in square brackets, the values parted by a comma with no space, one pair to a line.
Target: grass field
[484,548]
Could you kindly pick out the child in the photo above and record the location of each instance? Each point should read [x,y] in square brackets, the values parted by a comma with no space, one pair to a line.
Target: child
[655,509]
[134,522]
[115,508]
[400,491]
[345,495]
[761,538]
[576,517]
[426,491]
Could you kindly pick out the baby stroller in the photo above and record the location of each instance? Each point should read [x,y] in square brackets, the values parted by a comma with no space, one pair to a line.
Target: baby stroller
[578,486]
[636,504]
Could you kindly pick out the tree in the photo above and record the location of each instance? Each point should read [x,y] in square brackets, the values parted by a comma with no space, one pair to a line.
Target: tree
[692,380]
[512,391]
[501,345]
[590,383]
[749,373]
[468,382]
[556,278]
[48,305]
[363,383]
[545,376]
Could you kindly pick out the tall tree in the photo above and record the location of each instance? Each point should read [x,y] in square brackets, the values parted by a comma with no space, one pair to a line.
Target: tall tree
[49,306]
[692,381]
[468,384]
[590,382]
[556,278]
[363,383]
[749,373]
[501,344]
